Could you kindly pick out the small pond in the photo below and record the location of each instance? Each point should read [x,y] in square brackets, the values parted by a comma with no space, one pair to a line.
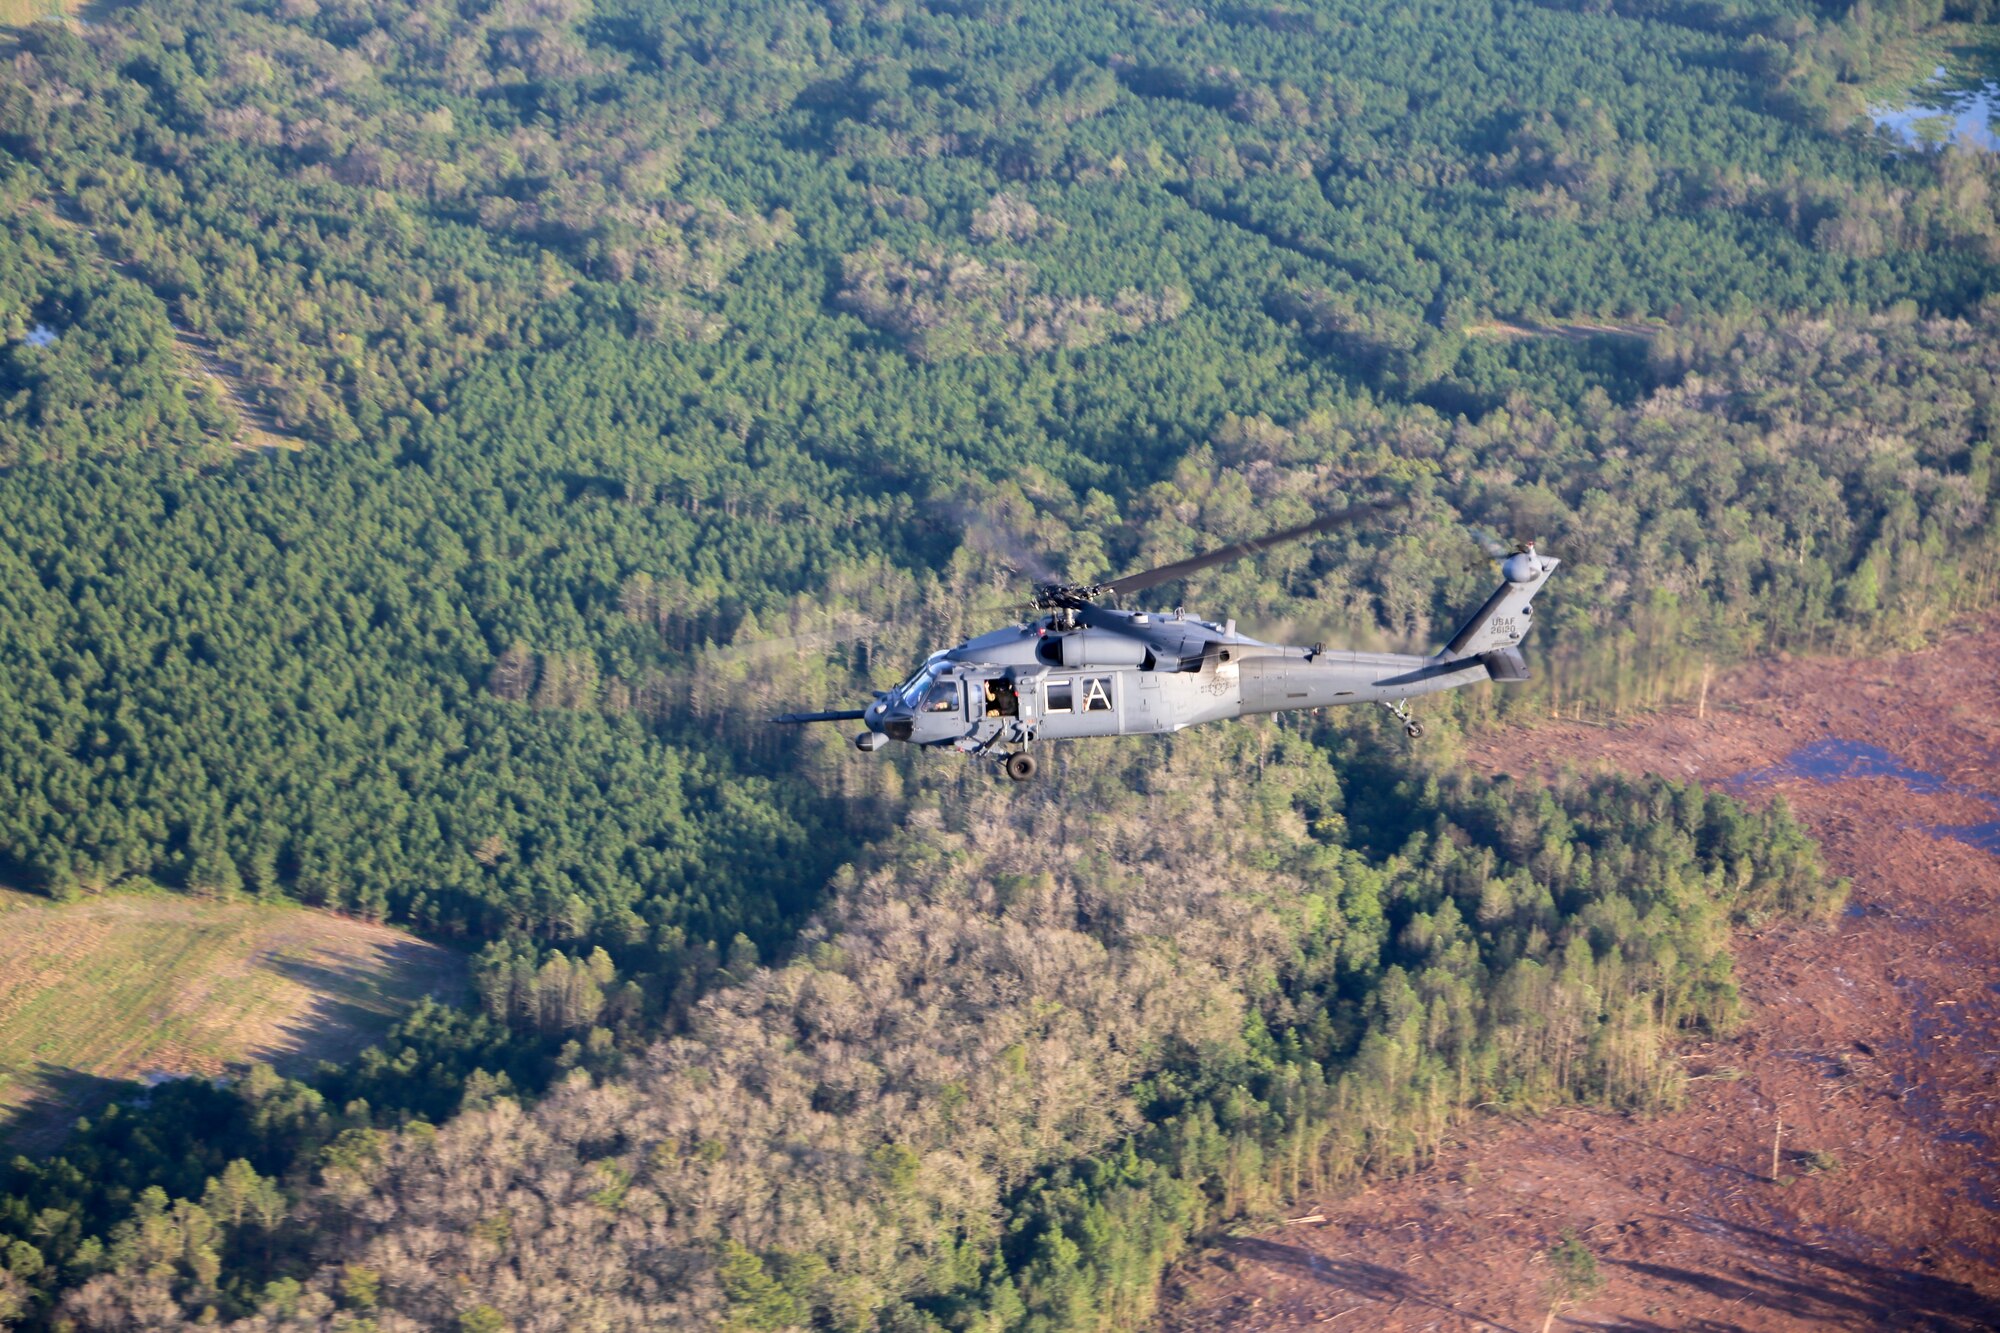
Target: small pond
[1948,108]
[1838,760]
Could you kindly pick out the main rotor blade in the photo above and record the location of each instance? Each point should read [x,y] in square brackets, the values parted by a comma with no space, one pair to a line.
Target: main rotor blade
[993,537]
[811,638]
[1021,608]
[1194,564]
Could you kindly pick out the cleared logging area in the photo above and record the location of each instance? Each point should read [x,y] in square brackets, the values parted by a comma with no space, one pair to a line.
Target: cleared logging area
[99,994]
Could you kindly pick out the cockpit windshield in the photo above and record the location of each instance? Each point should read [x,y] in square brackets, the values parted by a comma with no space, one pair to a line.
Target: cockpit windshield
[911,693]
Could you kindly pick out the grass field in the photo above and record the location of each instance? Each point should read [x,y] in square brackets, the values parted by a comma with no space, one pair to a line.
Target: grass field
[97,995]
[1965,50]
[16,12]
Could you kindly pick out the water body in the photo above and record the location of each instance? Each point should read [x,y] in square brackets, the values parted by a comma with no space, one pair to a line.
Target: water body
[40,336]
[1945,109]
[1837,760]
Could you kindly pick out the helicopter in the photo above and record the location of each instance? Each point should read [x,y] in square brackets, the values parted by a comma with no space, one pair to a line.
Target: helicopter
[1080,668]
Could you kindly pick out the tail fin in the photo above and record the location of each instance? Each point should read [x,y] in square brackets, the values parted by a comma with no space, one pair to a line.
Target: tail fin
[1504,620]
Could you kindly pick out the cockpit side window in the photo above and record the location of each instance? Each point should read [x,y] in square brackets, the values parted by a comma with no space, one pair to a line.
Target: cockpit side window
[943,698]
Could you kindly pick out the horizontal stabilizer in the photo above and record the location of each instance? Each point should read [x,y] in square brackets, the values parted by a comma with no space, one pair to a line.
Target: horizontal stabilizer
[1507,664]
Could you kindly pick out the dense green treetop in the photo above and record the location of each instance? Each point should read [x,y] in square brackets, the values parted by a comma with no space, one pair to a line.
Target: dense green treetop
[657,365]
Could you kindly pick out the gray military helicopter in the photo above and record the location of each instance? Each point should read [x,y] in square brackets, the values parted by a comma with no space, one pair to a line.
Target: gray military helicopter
[1083,669]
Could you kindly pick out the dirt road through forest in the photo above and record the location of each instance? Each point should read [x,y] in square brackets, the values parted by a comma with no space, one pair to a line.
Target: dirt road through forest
[1877,1042]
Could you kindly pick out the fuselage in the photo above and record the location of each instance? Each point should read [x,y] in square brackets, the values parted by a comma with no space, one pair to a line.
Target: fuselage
[1121,673]
[1088,670]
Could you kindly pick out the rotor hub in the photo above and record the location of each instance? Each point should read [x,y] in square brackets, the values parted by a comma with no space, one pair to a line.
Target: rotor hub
[1066,596]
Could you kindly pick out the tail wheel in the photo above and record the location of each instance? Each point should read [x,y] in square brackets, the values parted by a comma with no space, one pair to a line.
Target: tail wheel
[1020,766]
[1413,729]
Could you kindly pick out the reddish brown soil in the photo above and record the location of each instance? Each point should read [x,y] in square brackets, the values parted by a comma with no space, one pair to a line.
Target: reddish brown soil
[1877,1040]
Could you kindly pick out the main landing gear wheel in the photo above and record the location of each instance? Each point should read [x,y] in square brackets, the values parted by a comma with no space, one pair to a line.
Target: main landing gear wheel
[1020,766]
[1413,729]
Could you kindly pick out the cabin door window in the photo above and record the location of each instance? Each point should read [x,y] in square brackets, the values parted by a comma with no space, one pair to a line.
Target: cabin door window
[1001,701]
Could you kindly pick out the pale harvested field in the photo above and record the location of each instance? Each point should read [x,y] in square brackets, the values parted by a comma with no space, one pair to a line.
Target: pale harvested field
[100,993]
[14,13]
[1507,330]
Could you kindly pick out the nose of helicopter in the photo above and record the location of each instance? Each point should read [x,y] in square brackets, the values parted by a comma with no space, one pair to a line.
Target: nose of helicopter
[885,720]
